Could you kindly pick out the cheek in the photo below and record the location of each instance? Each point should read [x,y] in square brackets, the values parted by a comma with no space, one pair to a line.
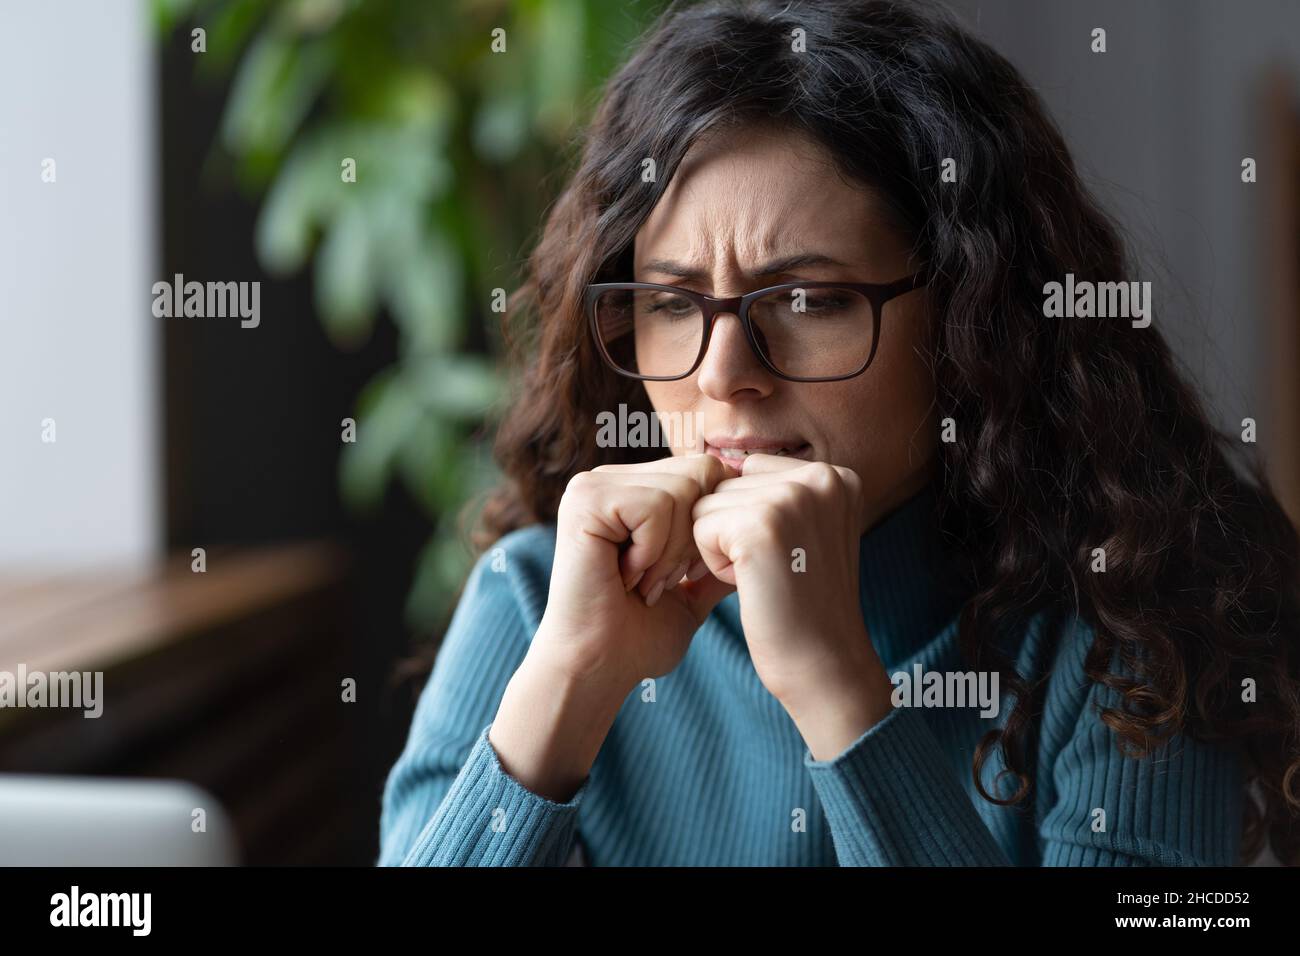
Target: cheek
[671,396]
[885,422]
[675,401]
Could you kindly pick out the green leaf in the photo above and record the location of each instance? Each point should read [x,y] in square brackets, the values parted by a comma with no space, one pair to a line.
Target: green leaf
[415,98]
[167,13]
[557,66]
[345,293]
[423,282]
[439,571]
[451,143]
[501,126]
[314,16]
[461,387]
[386,416]
[430,467]
[276,83]
[302,198]
[228,30]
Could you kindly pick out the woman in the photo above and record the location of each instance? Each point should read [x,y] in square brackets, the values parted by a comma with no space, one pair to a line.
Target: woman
[940,580]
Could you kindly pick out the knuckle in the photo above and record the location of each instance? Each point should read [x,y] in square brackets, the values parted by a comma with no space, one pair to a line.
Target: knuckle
[822,476]
[851,480]
[710,470]
[661,499]
[579,484]
[682,488]
[803,495]
[770,515]
[762,536]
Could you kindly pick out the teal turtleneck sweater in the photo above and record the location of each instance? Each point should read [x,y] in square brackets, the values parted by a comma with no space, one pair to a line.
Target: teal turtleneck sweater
[713,771]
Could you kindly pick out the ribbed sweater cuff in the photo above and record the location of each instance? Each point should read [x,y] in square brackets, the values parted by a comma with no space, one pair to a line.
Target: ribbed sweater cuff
[488,818]
[890,800]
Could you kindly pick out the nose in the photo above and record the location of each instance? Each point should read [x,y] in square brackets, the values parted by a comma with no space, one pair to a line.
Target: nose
[730,369]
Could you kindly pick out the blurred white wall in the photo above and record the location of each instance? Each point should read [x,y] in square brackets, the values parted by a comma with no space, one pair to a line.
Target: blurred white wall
[78,343]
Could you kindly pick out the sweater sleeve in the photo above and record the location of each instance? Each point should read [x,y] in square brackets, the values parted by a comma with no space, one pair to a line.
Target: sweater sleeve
[447,800]
[891,798]
[1180,806]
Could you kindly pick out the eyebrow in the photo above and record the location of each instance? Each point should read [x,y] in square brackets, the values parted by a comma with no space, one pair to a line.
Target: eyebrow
[772,267]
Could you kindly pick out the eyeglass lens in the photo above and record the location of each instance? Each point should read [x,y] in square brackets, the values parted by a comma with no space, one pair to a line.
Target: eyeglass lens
[806,333]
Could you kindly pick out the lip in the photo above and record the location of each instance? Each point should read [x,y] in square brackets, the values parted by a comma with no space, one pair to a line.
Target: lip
[713,445]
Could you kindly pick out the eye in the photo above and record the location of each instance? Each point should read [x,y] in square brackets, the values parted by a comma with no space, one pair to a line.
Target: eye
[825,302]
[672,306]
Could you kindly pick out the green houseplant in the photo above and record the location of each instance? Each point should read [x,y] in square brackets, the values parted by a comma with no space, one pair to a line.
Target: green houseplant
[395,147]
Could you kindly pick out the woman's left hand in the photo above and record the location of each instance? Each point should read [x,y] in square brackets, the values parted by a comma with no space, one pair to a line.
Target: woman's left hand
[787,534]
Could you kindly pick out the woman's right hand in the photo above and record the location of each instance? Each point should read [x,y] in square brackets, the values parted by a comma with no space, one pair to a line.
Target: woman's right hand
[618,610]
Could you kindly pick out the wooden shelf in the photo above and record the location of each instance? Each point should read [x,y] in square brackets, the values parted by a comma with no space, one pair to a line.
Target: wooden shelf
[94,622]
[229,679]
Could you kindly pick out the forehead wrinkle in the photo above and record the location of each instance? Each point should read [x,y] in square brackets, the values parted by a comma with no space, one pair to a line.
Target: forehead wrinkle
[748,227]
[723,214]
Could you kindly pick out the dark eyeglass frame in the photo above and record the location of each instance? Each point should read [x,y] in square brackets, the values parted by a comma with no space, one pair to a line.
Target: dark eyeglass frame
[875,292]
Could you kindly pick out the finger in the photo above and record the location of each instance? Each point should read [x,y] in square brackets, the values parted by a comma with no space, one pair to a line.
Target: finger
[759,464]
[757,480]
[707,531]
[698,568]
[635,563]
[811,475]
[677,484]
[687,477]
[820,476]
[677,555]
[705,470]
[832,483]
[643,515]
[703,596]
[746,498]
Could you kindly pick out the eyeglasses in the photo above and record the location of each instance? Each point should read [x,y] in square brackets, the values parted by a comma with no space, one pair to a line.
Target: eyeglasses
[800,331]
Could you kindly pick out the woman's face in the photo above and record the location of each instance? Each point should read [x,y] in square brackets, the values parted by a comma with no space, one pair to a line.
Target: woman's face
[761,208]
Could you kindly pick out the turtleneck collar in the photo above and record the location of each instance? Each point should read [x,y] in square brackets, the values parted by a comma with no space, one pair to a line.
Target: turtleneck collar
[906,585]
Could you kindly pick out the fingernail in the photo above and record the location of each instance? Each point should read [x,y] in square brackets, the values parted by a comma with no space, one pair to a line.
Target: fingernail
[698,570]
[635,581]
[653,596]
[675,578]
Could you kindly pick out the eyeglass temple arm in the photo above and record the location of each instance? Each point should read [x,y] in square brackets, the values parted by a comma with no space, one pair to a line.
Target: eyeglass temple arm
[881,294]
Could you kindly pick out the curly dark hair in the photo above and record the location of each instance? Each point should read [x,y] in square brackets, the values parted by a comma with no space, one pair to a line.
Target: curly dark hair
[1072,434]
